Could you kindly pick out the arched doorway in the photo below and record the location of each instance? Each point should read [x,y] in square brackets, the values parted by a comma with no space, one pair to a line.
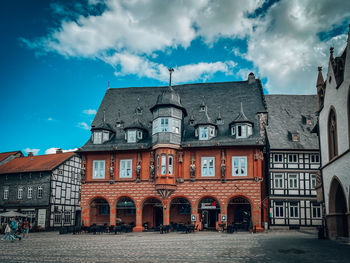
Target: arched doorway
[180,211]
[337,219]
[126,211]
[99,211]
[239,212]
[152,213]
[209,210]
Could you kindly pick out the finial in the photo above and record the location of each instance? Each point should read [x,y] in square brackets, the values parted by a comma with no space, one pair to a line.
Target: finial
[319,69]
[171,70]
[331,50]
[108,84]
[241,107]
[104,116]
[118,113]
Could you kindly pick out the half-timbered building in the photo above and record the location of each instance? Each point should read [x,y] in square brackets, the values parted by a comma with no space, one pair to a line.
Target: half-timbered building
[45,187]
[185,154]
[294,161]
[334,132]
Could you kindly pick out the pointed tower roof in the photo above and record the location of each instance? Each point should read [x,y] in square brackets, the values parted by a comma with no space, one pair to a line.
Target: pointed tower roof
[203,118]
[136,124]
[241,117]
[103,125]
[320,80]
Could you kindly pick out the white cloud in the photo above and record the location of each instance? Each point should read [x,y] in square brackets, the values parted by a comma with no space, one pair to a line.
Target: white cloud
[83,125]
[89,112]
[34,151]
[53,150]
[49,119]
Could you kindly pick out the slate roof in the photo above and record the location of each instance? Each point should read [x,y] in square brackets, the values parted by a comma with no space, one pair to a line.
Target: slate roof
[38,163]
[4,155]
[285,113]
[222,98]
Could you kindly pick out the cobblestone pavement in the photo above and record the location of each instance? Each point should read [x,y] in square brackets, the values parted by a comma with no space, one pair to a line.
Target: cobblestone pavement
[175,247]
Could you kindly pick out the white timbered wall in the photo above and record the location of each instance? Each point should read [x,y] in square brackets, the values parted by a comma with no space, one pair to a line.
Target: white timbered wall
[65,193]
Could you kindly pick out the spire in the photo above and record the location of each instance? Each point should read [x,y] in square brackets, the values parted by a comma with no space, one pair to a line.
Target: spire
[104,117]
[331,51]
[108,84]
[171,70]
[320,80]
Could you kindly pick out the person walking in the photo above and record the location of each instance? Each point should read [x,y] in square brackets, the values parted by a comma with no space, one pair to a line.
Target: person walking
[7,232]
[14,227]
[25,228]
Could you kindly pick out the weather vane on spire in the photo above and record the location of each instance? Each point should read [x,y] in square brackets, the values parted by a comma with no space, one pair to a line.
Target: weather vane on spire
[171,70]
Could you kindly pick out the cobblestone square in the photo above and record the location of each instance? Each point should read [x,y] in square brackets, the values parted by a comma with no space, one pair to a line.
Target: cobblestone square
[175,247]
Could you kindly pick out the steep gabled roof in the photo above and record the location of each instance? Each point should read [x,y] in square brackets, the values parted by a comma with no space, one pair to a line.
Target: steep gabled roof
[39,163]
[5,155]
[286,113]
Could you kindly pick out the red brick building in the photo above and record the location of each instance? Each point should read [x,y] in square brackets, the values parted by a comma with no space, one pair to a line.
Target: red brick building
[171,155]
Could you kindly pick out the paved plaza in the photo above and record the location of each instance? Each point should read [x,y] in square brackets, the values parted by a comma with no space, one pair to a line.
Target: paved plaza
[175,247]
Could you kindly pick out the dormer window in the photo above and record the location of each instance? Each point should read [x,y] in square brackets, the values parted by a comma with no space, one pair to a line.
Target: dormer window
[139,135]
[203,133]
[295,137]
[105,136]
[308,121]
[97,137]
[131,136]
[202,108]
[241,130]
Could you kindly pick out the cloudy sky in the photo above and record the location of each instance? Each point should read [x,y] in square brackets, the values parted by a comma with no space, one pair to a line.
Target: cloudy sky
[58,56]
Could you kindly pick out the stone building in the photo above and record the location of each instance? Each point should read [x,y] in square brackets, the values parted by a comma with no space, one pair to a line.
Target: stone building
[45,187]
[293,161]
[190,153]
[334,132]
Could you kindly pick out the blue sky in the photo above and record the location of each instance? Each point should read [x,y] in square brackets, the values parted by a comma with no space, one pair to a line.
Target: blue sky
[58,56]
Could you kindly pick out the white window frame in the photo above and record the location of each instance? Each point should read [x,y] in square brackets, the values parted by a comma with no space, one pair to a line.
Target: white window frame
[40,192]
[312,181]
[131,136]
[6,193]
[293,155]
[30,192]
[163,164]
[316,211]
[244,130]
[293,183]
[175,126]
[164,124]
[97,137]
[20,193]
[125,168]
[278,155]
[170,164]
[316,158]
[105,136]
[139,135]
[233,130]
[67,217]
[208,167]
[212,131]
[278,183]
[98,172]
[278,208]
[294,210]
[239,166]
[57,218]
[203,133]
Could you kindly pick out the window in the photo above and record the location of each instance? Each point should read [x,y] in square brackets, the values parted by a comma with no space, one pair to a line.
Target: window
[125,168]
[98,169]
[6,193]
[97,137]
[176,125]
[208,166]
[279,209]
[20,193]
[241,131]
[212,131]
[67,217]
[164,124]
[293,210]
[293,181]
[163,164]
[203,133]
[60,172]
[278,158]
[170,164]
[292,158]
[30,192]
[105,136]
[131,136]
[40,192]
[157,164]
[239,166]
[316,210]
[313,181]
[278,180]
[315,158]
[233,130]
[139,135]
[58,218]
[332,135]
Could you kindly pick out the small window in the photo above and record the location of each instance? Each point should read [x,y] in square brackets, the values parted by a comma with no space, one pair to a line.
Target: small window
[30,192]
[6,194]
[176,126]
[315,158]
[97,137]
[292,158]
[316,211]
[60,172]
[278,180]
[208,166]
[202,108]
[157,164]
[293,181]
[308,121]
[219,121]
[203,133]
[241,131]
[105,136]
[139,135]
[279,208]
[164,124]
[163,164]
[170,164]
[20,193]
[58,218]
[125,168]
[295,137]
[278,158]
[67,217]
[98,169]
[40,192]
[293,210]
[131,136]
[233,130]
[212,132]
[239,166]
[313,181]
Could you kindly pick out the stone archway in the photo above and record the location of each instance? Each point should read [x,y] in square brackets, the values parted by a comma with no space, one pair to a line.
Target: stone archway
[180,211]
[152,213]
[126,211]
[239,212]
[337,218]
[99,211]
[209,210]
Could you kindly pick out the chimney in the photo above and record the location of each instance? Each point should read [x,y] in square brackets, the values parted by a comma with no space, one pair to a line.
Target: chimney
[59,150]
[30,154]
[251,78]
